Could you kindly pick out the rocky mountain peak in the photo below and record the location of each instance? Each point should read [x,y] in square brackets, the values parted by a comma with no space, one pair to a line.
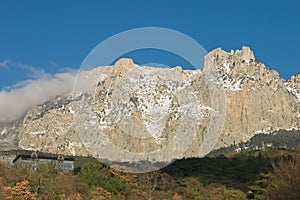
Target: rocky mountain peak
[237,69]
[245,54]
[150,101]
[293,86]
[125,63]
[295,79]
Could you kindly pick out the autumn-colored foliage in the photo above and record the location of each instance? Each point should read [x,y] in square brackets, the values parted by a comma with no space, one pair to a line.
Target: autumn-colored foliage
[219,177]
[22,190]
[176,196]
[284,182]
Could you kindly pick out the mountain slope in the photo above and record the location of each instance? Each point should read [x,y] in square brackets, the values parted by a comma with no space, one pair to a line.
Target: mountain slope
[143,109]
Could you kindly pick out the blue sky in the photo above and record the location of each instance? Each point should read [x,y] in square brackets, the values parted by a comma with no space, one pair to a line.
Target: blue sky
[40,38]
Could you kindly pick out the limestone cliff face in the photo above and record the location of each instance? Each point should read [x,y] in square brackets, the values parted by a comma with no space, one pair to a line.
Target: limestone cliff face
[9,135]
[258,99]
[50,128]
[157,106]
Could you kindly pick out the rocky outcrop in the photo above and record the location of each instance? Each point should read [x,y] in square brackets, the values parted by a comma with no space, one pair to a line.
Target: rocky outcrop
[258,99]
[9,135]
[50,128]
[144,109]
[293,86]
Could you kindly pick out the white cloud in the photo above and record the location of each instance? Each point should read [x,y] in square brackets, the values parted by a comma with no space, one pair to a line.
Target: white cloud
[31,72]
[22,96]
[34,72]
[4,64]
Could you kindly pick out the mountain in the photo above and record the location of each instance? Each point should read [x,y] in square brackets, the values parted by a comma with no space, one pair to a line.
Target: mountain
[9,132]
[172,113]
[258,100]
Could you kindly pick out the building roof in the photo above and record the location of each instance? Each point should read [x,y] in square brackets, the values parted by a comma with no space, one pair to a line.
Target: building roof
[43,157]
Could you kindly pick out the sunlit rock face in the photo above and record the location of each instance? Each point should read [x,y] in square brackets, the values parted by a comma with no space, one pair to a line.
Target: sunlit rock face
[258,100]
[142,109]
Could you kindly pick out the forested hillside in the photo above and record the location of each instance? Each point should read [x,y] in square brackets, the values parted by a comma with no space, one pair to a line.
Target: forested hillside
[272,174]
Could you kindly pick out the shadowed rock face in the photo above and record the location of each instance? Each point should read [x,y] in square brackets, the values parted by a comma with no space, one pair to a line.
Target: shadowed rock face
[152,104]
[9,135]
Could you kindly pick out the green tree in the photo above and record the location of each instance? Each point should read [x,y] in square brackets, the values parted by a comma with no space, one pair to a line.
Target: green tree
[43,181]
[95,174]
[259,189]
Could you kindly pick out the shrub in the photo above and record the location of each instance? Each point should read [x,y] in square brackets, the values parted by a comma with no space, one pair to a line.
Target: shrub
[284,182]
